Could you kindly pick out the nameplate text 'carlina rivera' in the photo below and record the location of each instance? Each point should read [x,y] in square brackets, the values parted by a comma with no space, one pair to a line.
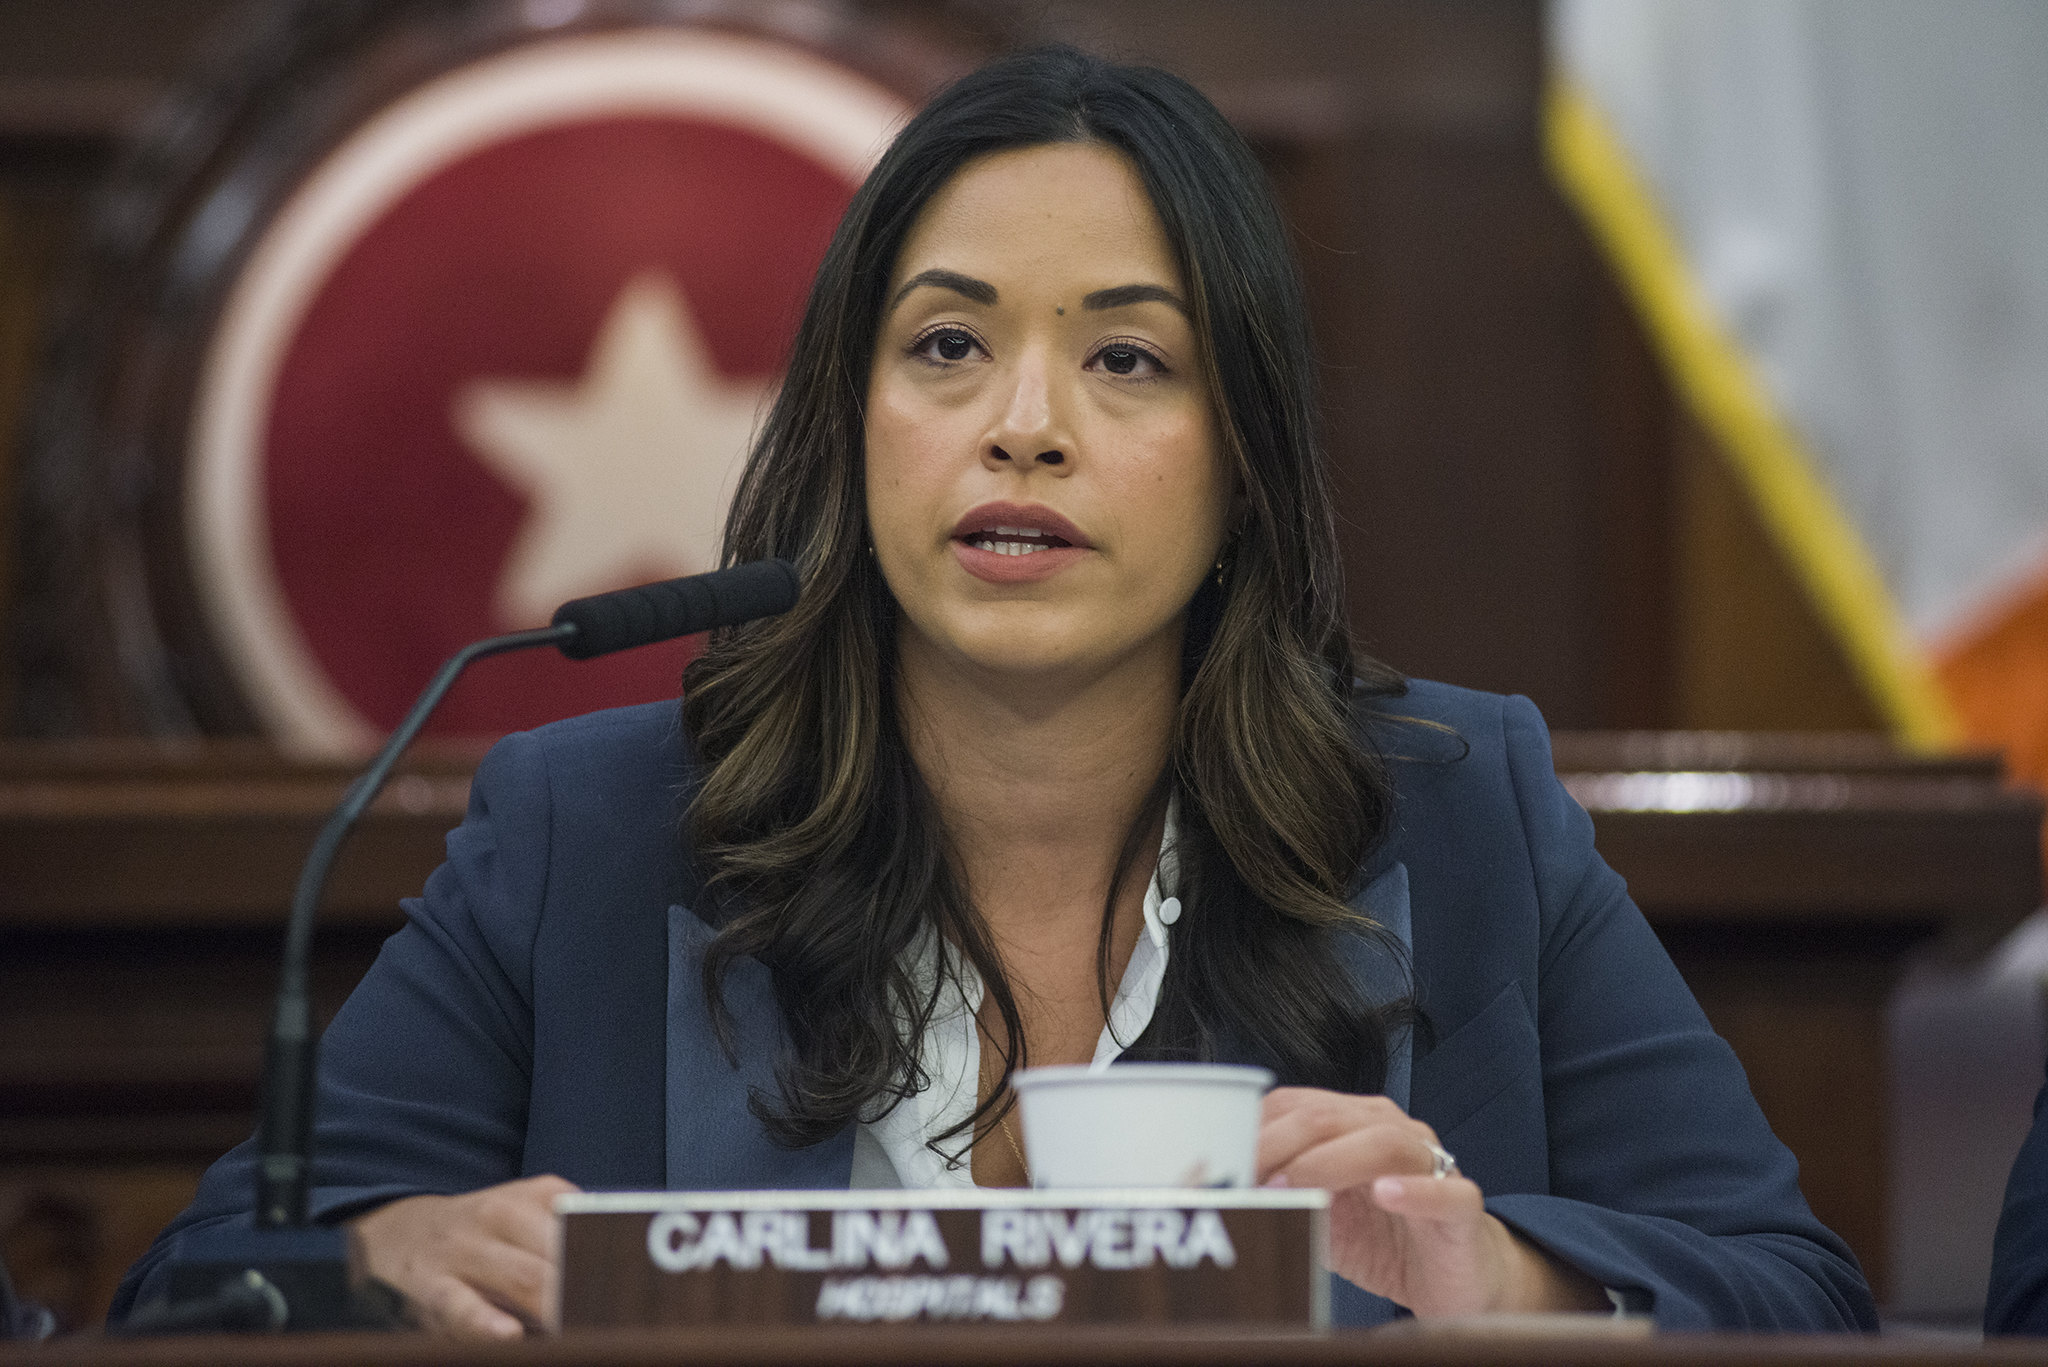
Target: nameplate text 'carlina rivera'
[1251,1258]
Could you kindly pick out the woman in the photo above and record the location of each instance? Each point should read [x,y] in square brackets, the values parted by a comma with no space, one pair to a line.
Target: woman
[1063,754]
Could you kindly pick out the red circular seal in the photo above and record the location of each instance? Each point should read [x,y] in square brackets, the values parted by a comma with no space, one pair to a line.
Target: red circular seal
[504,348]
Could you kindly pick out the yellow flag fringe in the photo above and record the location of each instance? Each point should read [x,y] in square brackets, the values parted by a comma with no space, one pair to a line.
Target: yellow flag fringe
[1721,386]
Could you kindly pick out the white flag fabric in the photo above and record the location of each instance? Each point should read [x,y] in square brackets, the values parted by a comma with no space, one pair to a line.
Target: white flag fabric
[1834,216]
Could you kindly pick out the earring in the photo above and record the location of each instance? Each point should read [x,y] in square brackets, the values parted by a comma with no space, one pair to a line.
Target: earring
[1225,554]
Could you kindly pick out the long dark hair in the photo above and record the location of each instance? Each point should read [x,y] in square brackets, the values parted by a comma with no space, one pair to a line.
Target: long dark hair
[819,840]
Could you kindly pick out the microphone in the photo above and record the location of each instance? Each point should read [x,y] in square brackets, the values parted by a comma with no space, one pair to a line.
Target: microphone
[677,607]
[306,1265]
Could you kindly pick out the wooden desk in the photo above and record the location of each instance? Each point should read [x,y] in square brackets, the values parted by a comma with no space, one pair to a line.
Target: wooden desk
[934,1347]
[142,892]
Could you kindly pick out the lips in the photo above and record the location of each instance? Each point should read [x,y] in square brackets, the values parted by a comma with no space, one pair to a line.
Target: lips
[1018,524]
[1007,543]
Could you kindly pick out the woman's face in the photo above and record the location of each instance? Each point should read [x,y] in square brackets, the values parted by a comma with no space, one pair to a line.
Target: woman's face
[1044,480]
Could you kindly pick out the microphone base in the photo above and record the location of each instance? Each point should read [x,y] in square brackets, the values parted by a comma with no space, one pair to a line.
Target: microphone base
[241,1280]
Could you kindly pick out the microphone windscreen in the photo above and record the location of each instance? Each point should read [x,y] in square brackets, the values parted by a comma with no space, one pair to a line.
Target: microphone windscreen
[677,607]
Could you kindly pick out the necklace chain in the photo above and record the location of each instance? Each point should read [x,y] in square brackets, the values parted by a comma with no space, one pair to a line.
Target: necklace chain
[1004,1126]
[987,1052]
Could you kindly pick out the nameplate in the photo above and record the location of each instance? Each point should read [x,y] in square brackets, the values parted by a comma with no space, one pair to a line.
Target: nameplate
[1007,1257]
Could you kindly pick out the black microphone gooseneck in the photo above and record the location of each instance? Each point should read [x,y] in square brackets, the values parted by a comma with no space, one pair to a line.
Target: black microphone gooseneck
[583,629]
[285,1132]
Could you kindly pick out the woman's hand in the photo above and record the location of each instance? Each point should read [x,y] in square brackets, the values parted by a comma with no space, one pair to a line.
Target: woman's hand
[1421,1241]
[475,1266]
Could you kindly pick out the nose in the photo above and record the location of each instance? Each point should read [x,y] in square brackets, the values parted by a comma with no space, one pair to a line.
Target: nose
[1030,430]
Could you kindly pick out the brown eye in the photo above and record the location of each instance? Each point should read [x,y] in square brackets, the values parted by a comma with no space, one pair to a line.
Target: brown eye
[1128,361]
[945,345]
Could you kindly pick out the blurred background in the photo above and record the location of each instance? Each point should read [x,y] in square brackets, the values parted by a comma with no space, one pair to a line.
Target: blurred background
[1682,368]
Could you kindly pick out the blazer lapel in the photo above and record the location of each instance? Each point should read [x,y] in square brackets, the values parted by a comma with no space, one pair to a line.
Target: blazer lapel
[1385,900]
[714,1141]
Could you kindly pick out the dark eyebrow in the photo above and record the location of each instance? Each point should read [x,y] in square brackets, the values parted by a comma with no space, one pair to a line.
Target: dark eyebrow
[980,291]
[1123,296]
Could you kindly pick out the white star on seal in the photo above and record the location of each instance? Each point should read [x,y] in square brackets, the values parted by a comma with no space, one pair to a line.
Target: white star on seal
[628,469]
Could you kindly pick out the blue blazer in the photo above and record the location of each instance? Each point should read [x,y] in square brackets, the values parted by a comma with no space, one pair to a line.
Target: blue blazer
[2017,1302]
[542,1012]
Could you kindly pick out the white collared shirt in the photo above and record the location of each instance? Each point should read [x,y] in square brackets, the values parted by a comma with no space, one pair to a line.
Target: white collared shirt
[895,1151]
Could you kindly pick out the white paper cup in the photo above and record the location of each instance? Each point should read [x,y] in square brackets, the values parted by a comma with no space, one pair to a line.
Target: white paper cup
[1142,1124]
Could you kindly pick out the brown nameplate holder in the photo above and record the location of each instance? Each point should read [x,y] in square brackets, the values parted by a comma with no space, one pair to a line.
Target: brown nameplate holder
[1009,1257]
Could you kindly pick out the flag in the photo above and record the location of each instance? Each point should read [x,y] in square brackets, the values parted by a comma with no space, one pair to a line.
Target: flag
[1833,216]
